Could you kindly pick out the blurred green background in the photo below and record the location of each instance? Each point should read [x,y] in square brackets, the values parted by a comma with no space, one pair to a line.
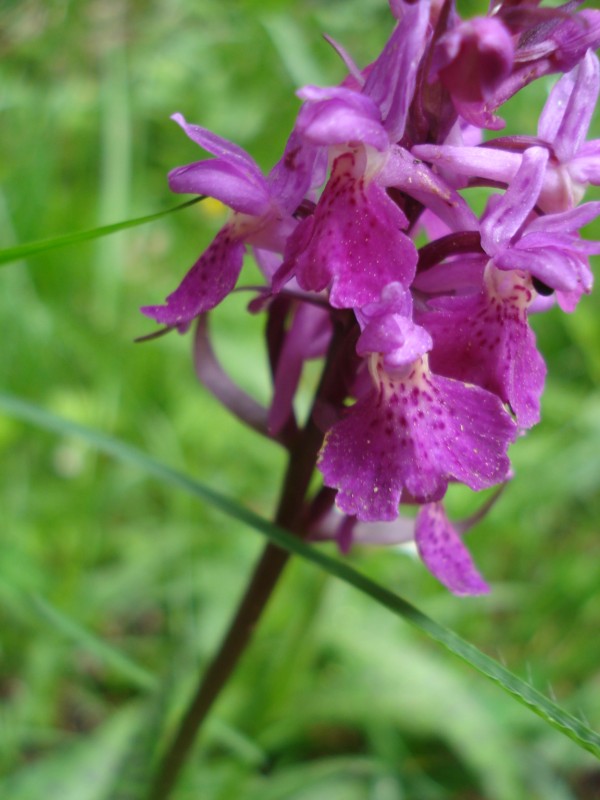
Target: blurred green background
[109,582]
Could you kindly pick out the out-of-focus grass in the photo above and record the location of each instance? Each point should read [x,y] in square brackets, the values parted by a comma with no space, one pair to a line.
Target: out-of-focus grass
[335,699]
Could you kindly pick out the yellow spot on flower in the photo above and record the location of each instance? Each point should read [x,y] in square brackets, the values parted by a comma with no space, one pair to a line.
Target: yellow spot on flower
[213,209]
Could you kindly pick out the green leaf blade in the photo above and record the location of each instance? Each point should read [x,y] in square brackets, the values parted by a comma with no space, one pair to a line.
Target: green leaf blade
[521,691]
[21,251]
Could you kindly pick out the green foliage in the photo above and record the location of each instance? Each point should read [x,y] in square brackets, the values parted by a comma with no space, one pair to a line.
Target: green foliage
[135,582]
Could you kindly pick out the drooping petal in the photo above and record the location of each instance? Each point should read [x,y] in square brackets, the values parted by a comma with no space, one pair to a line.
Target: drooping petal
[354,242]
[307,337]
[211,278]
[444,554]
[217,381]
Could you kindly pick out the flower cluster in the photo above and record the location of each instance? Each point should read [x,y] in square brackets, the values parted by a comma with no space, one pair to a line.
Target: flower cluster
[437,365]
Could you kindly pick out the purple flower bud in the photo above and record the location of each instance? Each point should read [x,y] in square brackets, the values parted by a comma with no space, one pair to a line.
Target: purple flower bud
[473,59]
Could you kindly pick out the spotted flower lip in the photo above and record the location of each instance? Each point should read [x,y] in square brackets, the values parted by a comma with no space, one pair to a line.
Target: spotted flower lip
[417,433]
[354,242]
[412,430]
[484,338]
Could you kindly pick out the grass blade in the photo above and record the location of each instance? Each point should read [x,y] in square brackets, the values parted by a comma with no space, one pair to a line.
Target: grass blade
[114,658]
[21,251]
[521,691]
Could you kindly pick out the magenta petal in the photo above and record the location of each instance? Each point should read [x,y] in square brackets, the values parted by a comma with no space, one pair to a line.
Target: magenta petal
[338,116]
[211,278]
[397,338]
[216,145]
[473,58]
[580,109]
[444,553]
[585,167]
[307,337]
[392,78]
[565,222]
[504,217]
[356,244]
[302,166]
[555,107]
[484,162]
[417,180]
[485,339]
[224,182]
[552,266]
[415,434]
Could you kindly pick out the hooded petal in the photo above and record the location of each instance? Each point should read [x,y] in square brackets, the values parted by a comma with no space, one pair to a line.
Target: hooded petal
[340,116]
[223,181]
[388,329]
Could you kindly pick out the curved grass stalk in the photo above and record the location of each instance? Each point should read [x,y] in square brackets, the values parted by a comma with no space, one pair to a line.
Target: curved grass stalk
[517,688]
